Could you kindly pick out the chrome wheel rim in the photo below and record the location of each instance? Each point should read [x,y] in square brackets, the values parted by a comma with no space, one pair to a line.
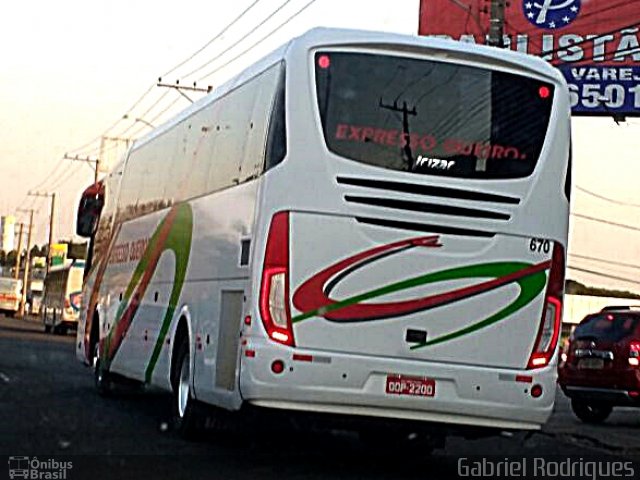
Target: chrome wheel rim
[183,387]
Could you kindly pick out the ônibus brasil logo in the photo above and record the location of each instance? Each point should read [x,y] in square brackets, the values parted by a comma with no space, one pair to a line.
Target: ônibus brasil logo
[551,14]
[313,297]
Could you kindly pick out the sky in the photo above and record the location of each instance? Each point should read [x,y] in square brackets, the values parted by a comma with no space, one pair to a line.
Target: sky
[71,70]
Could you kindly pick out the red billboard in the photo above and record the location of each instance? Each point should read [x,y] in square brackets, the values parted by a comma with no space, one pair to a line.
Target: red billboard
[595,43]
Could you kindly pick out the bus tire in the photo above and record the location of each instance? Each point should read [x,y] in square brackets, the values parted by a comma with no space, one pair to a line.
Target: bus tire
[188,414]
[47,328]
[60,329]
[101,377]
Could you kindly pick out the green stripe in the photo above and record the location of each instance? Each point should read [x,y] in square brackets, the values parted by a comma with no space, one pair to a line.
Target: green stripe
[490,270]
[530,287]
[179,242]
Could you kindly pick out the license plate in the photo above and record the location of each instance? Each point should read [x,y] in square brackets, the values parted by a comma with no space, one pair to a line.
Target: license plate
[591,363]
[414,386]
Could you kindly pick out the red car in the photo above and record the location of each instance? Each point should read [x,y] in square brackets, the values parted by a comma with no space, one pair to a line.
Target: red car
[600,368]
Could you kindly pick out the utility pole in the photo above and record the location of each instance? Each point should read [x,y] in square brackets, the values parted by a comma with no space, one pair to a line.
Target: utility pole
[27,259]
[406,148]
[179,88]
[51,221]
[496,24]
[16,274]
[91,161]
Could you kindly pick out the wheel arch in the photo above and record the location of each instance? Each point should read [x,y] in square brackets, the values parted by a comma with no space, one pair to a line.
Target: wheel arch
[182,331]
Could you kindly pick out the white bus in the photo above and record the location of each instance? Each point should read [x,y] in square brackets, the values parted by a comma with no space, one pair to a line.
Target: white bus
[61,298]
[363,225]
[10,294]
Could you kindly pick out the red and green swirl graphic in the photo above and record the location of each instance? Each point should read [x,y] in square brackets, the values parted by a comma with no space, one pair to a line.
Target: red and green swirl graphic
[313,296]
[173,234]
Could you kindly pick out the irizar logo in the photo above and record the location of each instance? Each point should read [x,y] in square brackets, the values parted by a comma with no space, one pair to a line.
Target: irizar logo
[551,14]
[435,163]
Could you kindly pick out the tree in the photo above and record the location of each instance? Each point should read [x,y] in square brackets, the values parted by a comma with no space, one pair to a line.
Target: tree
[10,259]
[35,251]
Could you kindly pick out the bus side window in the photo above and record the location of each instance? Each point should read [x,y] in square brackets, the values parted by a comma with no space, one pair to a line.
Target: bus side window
[234,120]
[276,148]
[257,146]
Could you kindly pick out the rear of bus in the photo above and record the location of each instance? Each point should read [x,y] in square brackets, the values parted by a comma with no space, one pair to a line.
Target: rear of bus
[413,237]
[10,293]
[73,293]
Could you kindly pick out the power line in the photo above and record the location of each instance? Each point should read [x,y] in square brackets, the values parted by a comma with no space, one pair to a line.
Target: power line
[144,95]
[307,5]
[606,222]
[144,114]
[607,199]
[217,36]
[244,37]
[74,170]
[468,8]
[60,176]
[48,176]
[603,260]
[105,132]
[159,114]
[604,275]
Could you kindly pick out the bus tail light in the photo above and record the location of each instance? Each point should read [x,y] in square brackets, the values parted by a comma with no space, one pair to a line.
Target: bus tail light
[274,289]
[551,320]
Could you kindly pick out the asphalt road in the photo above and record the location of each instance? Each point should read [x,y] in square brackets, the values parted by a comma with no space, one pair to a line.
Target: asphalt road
[50,411]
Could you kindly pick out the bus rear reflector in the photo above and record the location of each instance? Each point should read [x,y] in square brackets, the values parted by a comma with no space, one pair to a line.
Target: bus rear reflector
[551,320]
[274,289]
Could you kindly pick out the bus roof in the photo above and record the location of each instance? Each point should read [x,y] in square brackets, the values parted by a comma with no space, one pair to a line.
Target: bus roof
[333,37]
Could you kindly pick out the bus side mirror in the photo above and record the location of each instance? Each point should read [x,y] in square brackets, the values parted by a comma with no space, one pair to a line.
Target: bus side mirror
[89,209]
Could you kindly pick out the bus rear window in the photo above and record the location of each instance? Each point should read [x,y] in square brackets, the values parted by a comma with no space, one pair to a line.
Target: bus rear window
[429,117]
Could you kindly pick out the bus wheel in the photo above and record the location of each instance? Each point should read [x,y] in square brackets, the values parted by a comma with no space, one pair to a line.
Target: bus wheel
[47,328]
[101,379]
[60,329]
[188,414]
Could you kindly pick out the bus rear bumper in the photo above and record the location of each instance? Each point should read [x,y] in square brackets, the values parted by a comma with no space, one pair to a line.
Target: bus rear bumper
[330,382]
